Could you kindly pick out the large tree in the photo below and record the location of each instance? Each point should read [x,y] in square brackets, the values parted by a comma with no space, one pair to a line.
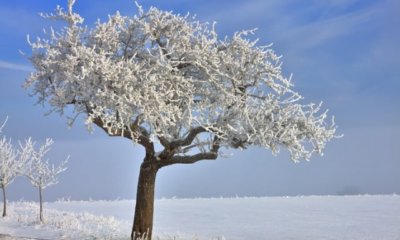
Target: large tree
[162,78]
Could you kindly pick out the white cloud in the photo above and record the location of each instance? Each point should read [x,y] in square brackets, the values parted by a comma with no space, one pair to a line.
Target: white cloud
[301,26]
[15,66]
[317,32]
[19,21]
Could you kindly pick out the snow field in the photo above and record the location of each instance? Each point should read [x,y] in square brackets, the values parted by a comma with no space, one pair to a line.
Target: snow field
[300,218]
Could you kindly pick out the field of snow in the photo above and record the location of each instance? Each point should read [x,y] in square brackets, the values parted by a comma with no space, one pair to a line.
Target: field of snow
[299,218]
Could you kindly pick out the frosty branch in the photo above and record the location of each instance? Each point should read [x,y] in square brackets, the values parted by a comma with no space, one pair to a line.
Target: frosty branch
[8,162]
[37,168]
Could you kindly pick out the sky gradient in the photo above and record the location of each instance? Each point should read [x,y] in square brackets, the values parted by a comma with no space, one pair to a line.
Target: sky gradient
[344,53]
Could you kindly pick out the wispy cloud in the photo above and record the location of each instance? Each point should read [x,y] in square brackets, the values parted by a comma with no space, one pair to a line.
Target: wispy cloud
[15,66]
[17,21]
[314,33]
[302,26]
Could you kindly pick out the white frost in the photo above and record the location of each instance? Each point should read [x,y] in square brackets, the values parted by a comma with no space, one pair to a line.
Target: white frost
[301,218]
[166,75]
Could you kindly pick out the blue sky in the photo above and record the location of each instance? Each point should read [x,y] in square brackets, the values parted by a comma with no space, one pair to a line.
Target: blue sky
[345,53]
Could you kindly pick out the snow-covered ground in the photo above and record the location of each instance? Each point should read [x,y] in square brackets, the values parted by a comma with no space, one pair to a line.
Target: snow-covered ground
[299,218]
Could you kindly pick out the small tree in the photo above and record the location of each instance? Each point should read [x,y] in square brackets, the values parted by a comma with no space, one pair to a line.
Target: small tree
[38,169]
[161,77]
[9,167]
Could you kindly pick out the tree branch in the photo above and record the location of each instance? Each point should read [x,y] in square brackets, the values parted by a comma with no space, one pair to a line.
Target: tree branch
[143,136]
[192,159]
[164,142]
[210,155]
[189,138]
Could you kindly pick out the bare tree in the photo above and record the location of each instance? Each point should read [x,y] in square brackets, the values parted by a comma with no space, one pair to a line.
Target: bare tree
[9,167]
[163,78]
[38,169]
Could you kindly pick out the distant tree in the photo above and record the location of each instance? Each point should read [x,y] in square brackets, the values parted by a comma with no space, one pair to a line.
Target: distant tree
[349,190]
[38,169]
[157,77]
[9,168]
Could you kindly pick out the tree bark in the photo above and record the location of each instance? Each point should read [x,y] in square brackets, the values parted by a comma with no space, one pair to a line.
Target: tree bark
[4,201]
[143,220]
[41,205]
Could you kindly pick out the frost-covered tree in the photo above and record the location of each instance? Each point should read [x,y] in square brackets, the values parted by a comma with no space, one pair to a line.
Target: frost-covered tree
[162,78]
[9,167]
[37,168]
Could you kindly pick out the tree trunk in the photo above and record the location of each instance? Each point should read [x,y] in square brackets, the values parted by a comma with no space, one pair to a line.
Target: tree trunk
[143,220]
[41,205]
[4,201]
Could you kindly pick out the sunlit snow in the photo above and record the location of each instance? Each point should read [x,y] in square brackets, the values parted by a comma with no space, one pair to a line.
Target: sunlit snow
[308,218]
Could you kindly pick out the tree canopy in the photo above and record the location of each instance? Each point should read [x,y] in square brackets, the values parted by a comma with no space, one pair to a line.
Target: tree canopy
[159,76]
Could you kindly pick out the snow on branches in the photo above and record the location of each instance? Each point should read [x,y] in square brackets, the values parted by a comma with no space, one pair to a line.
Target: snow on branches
[9,165]
[27,161]
[170,78]
[36,167]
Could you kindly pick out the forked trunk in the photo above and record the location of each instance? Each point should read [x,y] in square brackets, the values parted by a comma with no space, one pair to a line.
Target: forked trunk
[41,207]
[143,220]
[4,201]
